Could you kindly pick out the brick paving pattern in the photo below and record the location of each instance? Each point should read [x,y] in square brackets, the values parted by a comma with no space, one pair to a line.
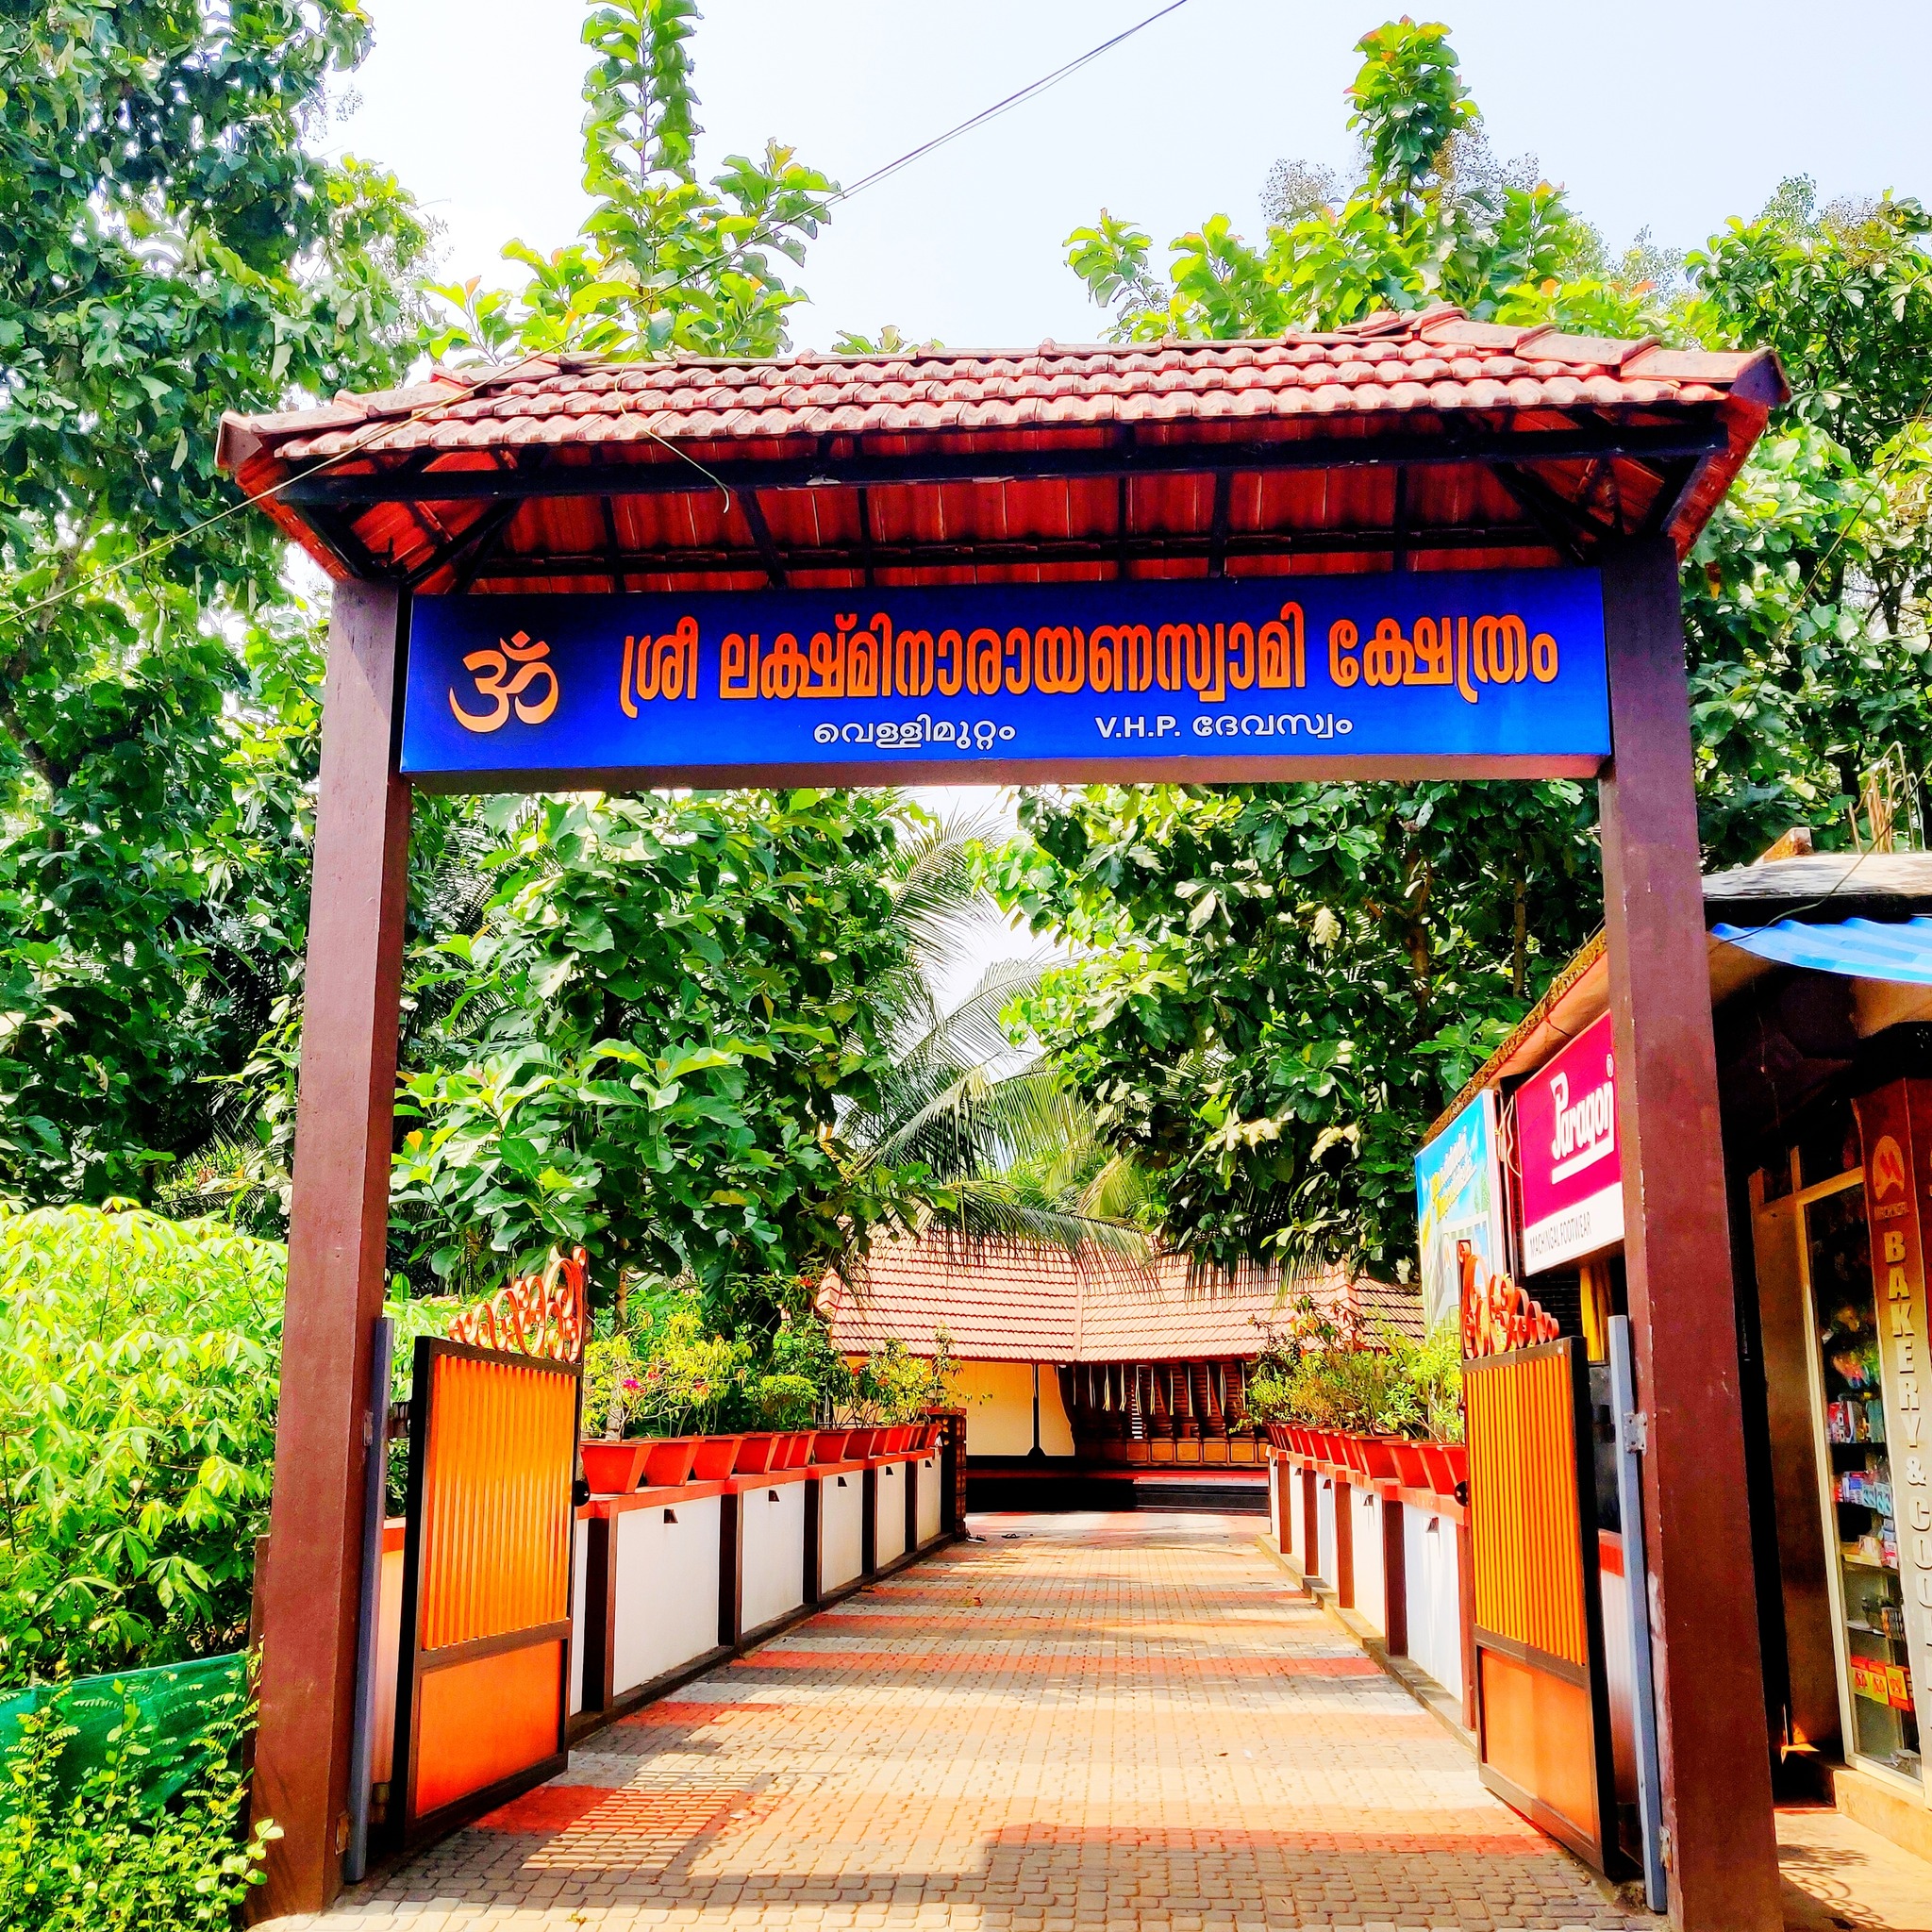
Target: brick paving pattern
[1091,1721]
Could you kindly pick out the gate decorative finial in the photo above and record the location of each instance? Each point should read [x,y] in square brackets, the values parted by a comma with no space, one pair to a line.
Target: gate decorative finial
[1497,1314]
[545,1315]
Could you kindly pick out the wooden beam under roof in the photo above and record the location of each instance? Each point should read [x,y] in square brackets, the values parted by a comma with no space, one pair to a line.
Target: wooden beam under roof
[656,478]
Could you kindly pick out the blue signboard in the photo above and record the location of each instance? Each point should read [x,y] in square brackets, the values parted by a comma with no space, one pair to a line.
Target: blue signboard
[1470,672]
[1459,1198]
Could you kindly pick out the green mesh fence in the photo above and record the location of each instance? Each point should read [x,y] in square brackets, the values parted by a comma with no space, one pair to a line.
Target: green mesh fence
[173,1704]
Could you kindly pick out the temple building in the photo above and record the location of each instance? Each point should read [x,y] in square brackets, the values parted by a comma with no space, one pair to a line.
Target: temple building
[1097,1381]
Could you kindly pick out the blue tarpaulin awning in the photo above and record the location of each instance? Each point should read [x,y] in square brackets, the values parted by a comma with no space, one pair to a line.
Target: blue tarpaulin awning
[1859,948]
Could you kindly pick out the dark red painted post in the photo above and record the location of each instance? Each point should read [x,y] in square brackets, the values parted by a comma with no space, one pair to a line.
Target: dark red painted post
[338,1221]
[1722,1853]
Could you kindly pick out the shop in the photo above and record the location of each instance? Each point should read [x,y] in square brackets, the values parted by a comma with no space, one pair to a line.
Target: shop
[1821,984]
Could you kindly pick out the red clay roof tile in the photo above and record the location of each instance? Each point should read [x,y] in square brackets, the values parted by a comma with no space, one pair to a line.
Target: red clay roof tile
[1025,1304]
[1416,371]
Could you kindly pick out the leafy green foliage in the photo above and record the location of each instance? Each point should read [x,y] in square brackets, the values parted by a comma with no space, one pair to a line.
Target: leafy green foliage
[1409,105]
[171,245]
[1282,989]
[663,261]
[138,1373]
[666,1009]
[1434,217]
[1395,1385]
[895,1385]
[104,1858]
[1843,294]
[1279,990]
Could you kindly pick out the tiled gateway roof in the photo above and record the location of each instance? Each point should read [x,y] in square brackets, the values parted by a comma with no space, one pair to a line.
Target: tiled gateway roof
[1041,1305]
[1622,437]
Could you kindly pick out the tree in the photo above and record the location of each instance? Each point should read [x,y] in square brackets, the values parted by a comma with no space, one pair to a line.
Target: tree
[662,261]
[172,247]
[667,1009]
[1432,215]
[1281,988]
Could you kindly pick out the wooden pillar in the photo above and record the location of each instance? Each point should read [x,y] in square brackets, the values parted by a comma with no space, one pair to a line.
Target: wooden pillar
[1715,1748]
[731,1567]
[338,1228]
[1394,1579]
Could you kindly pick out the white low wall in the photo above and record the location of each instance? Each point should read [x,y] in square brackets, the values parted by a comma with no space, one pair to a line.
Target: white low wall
[1618,1664]
[388,1644]
[930,1501]
[666,1560]
[1434,1596]
[774,1584]
[666,1552]
[1371,1597]
[1431,1621]
[842,1529]
[889,1531]
[580,1545]
[1325,1527]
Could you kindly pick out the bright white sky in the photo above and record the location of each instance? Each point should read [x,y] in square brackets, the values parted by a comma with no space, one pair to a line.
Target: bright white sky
[1671,113]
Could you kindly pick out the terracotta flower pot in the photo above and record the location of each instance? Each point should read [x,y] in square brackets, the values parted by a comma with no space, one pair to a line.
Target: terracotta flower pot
[671,1459]
[1411,1470]
[754,1454]
[714,1457]
[859,1443]
[1442,1476]
[828,1445]
[797,1449]
[612,1468]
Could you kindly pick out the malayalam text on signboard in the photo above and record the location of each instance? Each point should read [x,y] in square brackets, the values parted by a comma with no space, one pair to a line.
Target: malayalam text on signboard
[1114,680]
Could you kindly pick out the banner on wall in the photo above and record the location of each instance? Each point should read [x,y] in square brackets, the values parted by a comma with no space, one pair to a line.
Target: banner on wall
[1895,1138]
[1259,676]
[1459,1208]
[1567,1147]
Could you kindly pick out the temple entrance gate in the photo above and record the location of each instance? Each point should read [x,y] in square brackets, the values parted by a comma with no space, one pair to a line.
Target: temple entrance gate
[1421,546]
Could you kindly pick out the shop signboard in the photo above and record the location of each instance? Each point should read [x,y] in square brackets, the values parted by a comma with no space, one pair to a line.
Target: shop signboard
[1895,1133]
[1459,1198]
[1486,672]
[1566,1142]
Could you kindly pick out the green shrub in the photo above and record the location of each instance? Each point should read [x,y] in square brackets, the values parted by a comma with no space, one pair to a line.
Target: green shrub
[101,1857]
[895,1385]
[137,1375]
[1391,1386]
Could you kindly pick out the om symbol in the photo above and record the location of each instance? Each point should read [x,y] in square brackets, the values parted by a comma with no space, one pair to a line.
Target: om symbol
[492,667]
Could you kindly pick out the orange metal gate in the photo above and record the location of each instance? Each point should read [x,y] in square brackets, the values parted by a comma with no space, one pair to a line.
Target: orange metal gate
[1542,1692]
[483,1687]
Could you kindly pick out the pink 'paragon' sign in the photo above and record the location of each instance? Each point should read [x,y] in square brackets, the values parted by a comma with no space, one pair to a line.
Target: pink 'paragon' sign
[1566,1140]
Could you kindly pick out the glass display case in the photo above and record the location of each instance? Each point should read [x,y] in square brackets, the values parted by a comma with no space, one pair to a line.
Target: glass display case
[1856,1468]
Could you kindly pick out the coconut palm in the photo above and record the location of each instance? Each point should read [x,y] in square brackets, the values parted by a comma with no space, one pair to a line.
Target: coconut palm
[969,1098]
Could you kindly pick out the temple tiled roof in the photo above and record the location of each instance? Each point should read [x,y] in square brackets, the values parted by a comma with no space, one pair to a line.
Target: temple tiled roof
[1040,1304]
[720,473]
[1436,359]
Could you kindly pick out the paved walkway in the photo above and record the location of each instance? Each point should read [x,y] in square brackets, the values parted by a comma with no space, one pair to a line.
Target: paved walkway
[1078,1721]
